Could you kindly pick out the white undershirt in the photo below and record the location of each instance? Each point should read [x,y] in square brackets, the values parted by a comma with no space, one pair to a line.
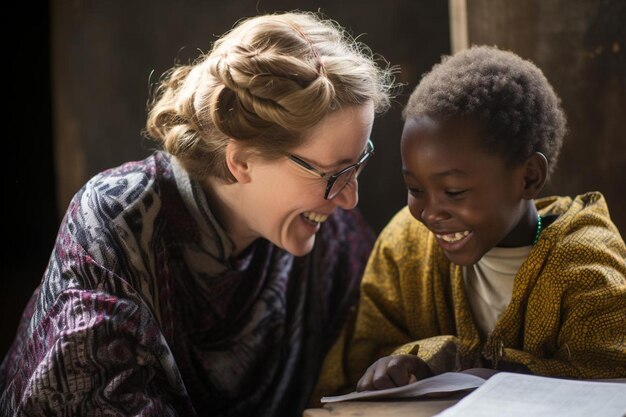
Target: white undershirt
[489,284]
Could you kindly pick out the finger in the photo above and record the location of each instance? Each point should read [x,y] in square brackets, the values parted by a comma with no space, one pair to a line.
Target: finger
[381,379]
[398,373]
[365,383]
[420,369]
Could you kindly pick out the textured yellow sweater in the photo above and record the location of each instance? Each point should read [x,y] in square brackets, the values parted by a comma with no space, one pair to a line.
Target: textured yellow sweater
[566,318]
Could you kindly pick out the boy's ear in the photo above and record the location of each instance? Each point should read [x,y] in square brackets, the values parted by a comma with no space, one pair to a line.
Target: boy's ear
[535,175]
[237,160]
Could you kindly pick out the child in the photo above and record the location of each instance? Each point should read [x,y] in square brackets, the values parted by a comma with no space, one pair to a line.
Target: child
[474,272]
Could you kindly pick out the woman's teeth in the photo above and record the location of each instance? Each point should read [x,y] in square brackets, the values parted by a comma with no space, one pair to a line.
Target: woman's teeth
[315,217]
[453,237]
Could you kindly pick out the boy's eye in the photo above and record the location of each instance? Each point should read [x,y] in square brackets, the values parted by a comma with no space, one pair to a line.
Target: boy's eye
[414,191]
[455,193]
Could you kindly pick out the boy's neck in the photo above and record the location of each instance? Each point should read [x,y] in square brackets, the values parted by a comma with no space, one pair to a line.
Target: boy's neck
[525,232]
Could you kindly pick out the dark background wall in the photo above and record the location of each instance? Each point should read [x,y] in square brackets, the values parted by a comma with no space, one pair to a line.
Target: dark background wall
[80,76]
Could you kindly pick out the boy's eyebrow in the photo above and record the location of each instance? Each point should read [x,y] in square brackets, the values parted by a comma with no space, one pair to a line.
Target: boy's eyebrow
[450,172]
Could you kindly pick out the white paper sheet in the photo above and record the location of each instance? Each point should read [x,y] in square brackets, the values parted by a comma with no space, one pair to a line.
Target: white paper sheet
[519,395]
[443,383]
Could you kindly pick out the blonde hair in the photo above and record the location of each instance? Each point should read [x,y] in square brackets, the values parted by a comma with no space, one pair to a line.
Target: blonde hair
[265,83]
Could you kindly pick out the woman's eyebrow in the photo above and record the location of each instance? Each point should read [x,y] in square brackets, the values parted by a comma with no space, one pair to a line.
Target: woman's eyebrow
[336,165]
[326,168]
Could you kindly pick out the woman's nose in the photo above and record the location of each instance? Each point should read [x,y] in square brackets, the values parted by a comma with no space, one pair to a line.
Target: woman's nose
[348,198]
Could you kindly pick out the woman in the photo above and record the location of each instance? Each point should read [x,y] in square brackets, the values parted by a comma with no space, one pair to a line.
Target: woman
[212,277]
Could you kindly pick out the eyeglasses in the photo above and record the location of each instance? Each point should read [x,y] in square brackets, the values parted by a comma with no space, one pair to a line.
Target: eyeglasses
[336,182]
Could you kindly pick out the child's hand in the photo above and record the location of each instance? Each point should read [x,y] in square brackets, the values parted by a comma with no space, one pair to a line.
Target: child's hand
[393,371]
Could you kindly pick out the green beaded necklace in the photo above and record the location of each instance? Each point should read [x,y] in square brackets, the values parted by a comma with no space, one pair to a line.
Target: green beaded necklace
[538,229]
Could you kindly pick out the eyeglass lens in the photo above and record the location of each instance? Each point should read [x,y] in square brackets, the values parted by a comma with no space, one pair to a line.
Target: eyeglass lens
[343,180]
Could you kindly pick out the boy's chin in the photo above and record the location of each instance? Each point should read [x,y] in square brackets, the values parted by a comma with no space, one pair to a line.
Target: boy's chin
[462,259]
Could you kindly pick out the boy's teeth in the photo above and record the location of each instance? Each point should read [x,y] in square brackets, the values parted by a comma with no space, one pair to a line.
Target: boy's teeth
[453,237]
[315,217]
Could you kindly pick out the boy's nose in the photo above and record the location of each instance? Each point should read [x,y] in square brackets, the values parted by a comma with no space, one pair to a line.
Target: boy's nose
[432,214]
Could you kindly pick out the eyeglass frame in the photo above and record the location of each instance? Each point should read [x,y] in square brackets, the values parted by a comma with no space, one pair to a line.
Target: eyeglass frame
[331,178]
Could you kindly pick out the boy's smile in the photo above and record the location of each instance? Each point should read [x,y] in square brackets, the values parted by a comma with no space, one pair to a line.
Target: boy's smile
[468,197]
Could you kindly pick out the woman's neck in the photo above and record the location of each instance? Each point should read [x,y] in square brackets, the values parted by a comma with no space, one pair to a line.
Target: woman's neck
[227,206]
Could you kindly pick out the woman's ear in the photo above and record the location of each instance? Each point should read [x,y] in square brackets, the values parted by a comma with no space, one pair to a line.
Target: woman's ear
[237,160]
[535,175]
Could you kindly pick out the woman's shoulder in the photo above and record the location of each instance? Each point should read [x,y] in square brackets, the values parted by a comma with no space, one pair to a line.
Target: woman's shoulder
[130,174]
[113,215]
[116,189]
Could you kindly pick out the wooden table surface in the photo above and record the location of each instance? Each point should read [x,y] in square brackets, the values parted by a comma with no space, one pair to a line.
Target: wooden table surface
[425,407]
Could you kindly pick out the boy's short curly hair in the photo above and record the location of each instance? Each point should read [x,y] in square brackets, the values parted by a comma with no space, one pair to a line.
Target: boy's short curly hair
[516,107]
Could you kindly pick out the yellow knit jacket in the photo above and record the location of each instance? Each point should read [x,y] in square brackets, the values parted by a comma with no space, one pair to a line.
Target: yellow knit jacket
[566,318]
